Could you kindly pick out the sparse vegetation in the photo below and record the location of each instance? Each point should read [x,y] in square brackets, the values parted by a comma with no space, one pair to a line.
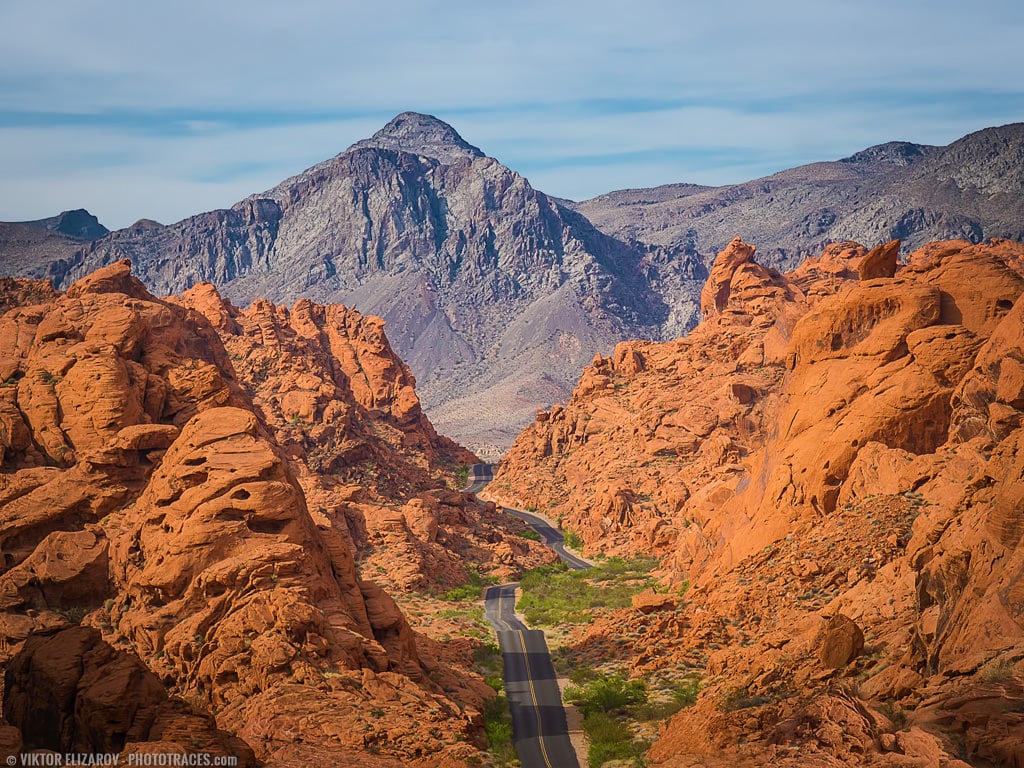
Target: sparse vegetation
[498,728]
[741,698]
[681,697]
[608,703]
[896,713]
[996,671]
[489,661]
[74,614]
[471,590]
[572,540]
[552,594]
[497,717]
[530,534]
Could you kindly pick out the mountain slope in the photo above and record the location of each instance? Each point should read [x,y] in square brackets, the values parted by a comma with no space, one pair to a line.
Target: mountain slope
[28,248]
[971,189]
[833,460]
[493,292]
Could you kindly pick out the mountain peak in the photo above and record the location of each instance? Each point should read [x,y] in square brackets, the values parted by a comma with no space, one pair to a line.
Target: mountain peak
[421,135]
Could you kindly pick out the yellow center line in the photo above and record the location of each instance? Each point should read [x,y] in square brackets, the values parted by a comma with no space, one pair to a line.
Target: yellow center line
[536,703]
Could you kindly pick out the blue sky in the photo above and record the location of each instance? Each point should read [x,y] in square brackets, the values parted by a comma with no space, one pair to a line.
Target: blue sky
[139,110]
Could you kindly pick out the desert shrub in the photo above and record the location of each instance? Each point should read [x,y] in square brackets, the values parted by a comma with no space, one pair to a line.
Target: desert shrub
[606,693]
[498,729]
[573,540]
[996,671]
[682,696]
[552,594]
[471,590]
[896,713]
[608,703]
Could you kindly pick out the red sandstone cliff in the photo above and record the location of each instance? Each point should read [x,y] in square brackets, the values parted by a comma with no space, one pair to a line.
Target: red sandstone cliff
[181,485]
[833,459]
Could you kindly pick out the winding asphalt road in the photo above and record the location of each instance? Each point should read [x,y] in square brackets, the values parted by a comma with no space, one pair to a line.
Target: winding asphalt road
[538,717]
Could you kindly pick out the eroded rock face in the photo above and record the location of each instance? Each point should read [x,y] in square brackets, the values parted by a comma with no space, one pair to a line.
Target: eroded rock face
[73,691]
[832,458]
[343,407]
[159,548]
[326,379]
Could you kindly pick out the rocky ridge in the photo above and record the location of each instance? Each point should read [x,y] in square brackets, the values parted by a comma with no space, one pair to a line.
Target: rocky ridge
[831,460]
[182,572]
[969,189]
[29,248]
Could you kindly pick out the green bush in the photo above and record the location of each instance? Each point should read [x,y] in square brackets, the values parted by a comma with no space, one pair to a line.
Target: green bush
[552,594]
[582,674]
[498,729]
[496,682]
[686,694]
[607,702]
[471,590]
[607,693]
[573,540]
[530,534]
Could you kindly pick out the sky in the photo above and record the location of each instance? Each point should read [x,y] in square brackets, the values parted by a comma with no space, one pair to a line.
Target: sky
[163,110]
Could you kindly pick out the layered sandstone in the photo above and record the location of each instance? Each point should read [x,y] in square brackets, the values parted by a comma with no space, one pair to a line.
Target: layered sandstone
[377,477]
[177,574]
[831,459]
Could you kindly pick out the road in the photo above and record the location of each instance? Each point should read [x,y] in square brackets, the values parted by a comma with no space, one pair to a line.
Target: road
[538,717]
[552,537]
[479,476]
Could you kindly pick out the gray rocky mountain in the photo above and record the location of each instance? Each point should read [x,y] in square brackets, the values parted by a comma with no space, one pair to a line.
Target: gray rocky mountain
[495,293]
[973,188]
[30,247]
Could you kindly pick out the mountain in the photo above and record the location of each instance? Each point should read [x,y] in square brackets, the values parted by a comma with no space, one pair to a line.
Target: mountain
[32,246]
[495,293]
[832,462]
[492,291]
[973,189]
[206,517]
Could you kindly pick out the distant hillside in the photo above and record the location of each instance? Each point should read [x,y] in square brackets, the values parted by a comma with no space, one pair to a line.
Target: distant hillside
[28,248]
[970,189]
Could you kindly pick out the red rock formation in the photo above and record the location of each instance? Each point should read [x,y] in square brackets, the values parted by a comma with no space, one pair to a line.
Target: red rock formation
[149,492]
[344,408]
[832,458]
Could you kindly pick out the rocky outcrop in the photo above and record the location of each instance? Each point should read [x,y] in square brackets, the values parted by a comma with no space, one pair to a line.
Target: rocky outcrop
[166,585]
[343,406]
[340,401]
[73,691]
[831,459]
[423,135]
